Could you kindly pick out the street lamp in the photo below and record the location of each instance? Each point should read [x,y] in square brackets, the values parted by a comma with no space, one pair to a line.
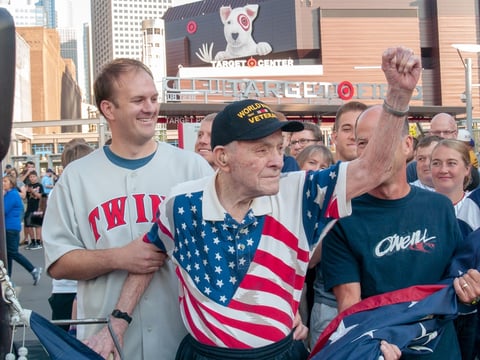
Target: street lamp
[467,64]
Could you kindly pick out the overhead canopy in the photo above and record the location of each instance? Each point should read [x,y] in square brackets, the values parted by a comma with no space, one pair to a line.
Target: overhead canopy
[300,110]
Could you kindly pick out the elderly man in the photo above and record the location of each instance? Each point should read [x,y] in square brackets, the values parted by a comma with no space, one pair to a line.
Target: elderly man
[242,239]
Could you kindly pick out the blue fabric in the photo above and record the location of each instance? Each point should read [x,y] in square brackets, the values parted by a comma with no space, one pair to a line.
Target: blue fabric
[416,319]
[58,343]
[289,164]
[13,209]
[412,171]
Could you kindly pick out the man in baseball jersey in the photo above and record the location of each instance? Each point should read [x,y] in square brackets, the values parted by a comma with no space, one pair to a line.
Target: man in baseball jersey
[242,238]
[110,197]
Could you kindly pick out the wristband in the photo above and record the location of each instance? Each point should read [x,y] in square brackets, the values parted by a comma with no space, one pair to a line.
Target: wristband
[122,315]
[393,111]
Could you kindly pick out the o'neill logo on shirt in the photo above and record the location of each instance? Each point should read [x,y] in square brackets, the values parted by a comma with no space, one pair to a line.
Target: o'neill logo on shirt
[416,241]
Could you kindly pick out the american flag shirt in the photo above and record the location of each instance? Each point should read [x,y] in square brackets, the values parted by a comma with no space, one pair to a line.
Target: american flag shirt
[240,283]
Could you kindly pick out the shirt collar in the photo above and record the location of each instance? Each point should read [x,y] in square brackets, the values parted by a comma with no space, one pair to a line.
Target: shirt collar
[213,210]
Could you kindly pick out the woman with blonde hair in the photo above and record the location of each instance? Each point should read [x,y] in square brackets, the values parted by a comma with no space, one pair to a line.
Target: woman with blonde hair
[450,167]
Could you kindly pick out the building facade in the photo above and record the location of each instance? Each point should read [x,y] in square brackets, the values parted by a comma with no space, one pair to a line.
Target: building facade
[313,55]
[117,27]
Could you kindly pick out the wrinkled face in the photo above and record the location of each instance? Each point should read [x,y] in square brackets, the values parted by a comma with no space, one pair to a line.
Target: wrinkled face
[316,161]
[344,137]
[255,165]
[300,140]
[423,158]
[203,145]
[133,113]
[448,170]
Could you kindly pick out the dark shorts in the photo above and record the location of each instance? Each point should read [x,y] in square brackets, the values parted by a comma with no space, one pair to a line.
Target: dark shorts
[286,349]
[33,220]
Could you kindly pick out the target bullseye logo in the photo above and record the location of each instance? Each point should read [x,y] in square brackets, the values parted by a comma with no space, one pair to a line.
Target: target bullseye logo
[345,90]
[191,27]
[251,62]
[244,21]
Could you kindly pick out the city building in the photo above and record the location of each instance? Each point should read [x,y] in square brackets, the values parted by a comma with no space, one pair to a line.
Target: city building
[68,46]
[153,49]
[117,27]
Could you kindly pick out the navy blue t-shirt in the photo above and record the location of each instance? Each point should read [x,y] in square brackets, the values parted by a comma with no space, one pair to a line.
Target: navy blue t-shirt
[392,244]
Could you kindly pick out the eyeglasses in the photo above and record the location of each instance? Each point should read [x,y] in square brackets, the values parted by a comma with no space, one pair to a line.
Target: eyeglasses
[442,132]
[301,142]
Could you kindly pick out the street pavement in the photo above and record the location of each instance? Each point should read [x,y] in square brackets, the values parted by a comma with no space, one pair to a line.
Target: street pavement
[34,298]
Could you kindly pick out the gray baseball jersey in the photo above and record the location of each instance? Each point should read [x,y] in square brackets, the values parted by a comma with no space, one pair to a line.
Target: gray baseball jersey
[98,205]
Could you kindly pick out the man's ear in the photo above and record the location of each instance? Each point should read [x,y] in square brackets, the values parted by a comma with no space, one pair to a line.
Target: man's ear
[221,157]
[107,108]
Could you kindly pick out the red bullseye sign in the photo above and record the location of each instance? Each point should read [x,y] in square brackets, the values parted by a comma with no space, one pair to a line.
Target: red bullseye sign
[192,27]
[345,90]
[252,62]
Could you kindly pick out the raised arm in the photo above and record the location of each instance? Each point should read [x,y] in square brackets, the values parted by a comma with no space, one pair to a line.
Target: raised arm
[402,71]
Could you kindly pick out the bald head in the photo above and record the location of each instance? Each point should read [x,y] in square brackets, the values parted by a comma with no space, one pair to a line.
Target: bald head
[365,126]
[443,125]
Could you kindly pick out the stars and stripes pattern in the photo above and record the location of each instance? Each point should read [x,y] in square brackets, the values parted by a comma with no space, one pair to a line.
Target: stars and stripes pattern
[412,318]
[241,282]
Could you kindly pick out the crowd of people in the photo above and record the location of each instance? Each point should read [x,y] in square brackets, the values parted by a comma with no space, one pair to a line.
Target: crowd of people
[251,245]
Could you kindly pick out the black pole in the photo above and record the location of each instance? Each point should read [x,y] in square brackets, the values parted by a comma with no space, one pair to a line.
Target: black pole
[7,92]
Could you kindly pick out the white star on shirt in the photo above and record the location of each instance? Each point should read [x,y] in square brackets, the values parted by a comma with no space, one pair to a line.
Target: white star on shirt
[233,279]
[216,241]
[207,278]
[332,175]
[207,291]
[242,261]
[231,265]
[205,248]
[188,195]
[193,209]
[181,211]
[223,298]
[250,242]
[219,283]
[218,269]
[197,279]
[218,256]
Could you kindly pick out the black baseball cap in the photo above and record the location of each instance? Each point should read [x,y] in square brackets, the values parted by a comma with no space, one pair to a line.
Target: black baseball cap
[248,120]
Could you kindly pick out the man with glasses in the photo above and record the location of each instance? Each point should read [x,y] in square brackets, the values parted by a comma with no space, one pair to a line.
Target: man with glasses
[443,125]
[311,135]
